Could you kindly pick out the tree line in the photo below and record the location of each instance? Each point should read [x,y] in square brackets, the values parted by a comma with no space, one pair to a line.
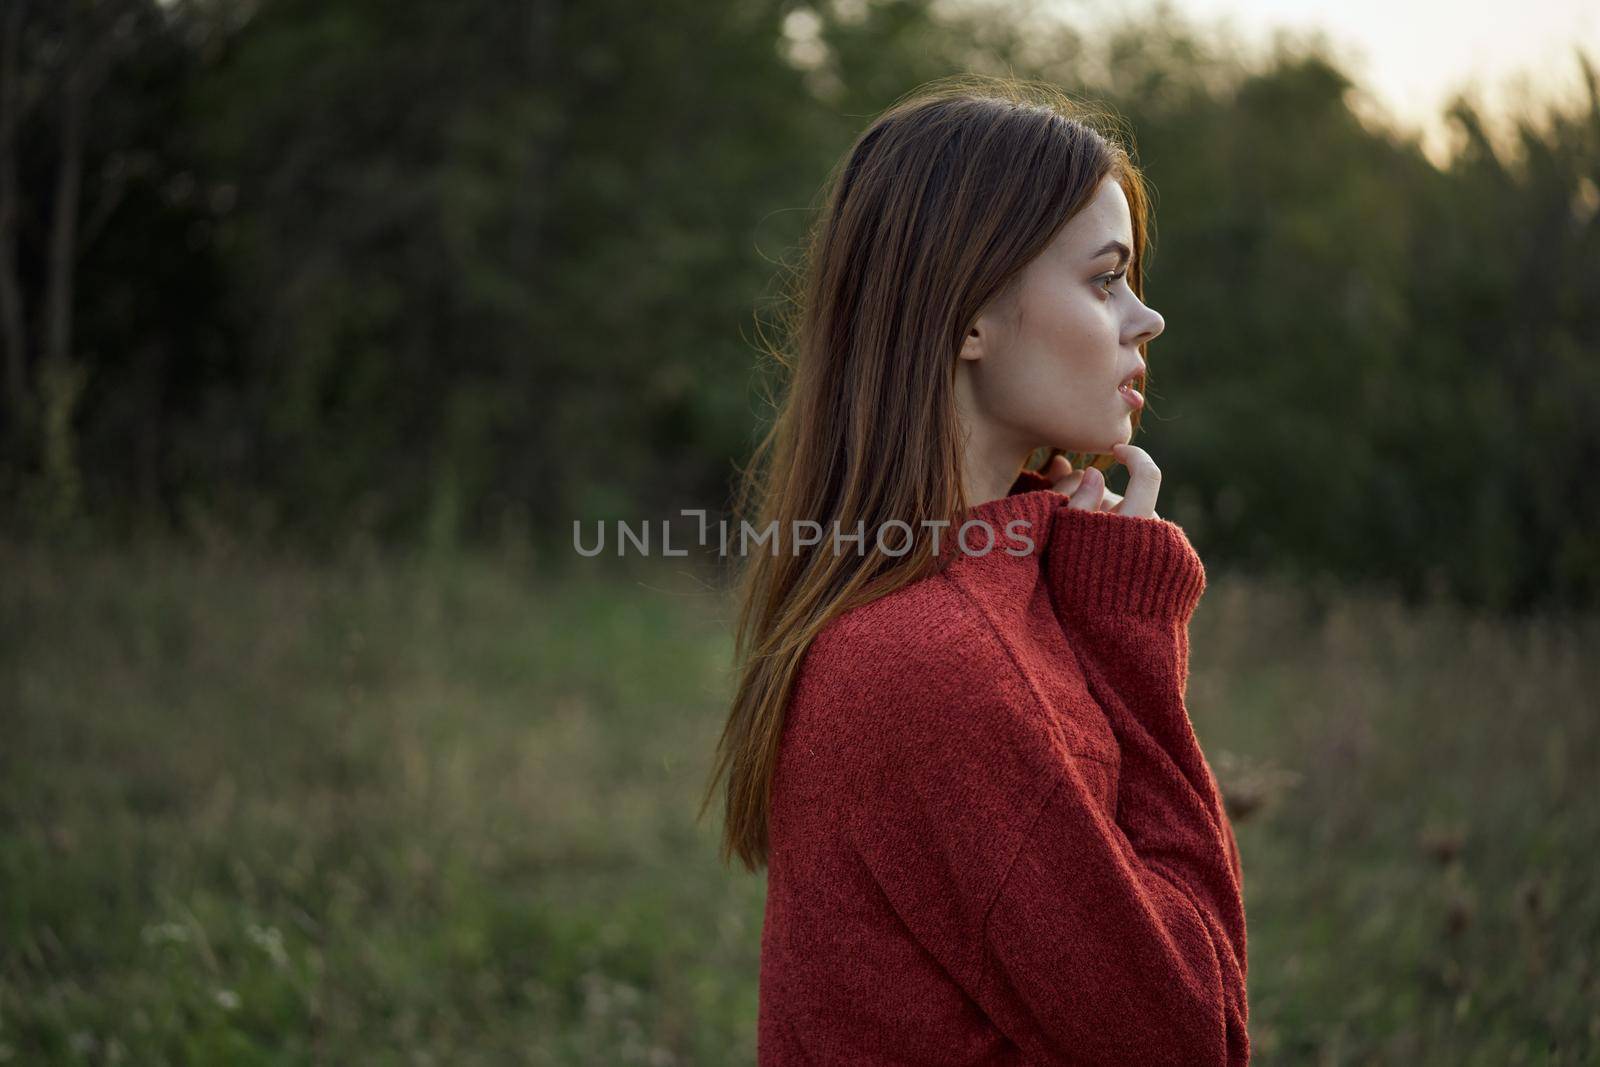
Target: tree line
[307,270]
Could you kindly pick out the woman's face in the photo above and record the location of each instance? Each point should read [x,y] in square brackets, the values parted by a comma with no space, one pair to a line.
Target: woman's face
[1042,366]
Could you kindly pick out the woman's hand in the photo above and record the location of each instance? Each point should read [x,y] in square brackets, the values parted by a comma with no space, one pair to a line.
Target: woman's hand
[1086,489]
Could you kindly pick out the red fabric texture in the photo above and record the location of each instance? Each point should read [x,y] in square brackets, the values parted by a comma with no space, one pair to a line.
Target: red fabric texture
[994,838]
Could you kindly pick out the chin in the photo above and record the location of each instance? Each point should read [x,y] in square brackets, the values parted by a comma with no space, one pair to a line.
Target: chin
[1072,443]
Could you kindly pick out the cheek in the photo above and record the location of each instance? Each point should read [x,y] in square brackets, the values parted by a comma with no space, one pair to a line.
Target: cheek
[1074,336]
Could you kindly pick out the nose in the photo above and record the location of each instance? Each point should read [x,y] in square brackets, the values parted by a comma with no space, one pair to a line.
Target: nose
[1147,325]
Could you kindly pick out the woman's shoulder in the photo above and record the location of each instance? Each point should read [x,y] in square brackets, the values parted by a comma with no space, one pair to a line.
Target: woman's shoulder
[916,669]
[914,695]
[926,629]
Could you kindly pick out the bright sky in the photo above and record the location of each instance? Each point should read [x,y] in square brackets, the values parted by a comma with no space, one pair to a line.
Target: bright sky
[1413,54]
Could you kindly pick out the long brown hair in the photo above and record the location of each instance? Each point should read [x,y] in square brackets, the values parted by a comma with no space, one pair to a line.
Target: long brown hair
[933,212]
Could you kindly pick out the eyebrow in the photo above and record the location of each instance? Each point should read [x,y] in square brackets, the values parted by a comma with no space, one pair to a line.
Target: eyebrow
[1122,251]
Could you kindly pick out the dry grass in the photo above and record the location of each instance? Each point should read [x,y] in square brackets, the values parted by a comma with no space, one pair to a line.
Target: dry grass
[254,810]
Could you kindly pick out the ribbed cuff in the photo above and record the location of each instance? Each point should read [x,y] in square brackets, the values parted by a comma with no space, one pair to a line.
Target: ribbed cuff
[1101,562]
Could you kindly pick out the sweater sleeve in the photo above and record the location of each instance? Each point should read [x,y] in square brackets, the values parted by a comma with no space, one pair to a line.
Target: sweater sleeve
[1158,963]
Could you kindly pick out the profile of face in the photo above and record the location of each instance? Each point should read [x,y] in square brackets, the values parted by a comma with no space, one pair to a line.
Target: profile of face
[1043,365]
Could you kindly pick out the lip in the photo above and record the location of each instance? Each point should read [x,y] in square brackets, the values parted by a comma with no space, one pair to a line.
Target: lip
[1134,398]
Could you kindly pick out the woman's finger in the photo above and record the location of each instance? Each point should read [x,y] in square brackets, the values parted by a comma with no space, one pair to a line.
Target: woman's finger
[1066,481]
[1144,481]
[1090,492]
[1069,484]
[1063,479]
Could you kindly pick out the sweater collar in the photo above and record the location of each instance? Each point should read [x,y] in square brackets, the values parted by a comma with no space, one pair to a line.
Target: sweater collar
[995,523]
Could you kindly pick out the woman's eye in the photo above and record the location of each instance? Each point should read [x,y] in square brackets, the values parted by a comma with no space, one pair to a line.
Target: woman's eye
[1107,279]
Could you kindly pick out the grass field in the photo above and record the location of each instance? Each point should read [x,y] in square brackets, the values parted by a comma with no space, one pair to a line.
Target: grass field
[256,811]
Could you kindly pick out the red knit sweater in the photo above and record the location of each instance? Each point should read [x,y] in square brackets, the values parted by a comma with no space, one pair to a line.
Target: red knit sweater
[993,837]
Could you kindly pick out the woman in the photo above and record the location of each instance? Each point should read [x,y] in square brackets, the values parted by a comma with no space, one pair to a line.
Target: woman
[990,835]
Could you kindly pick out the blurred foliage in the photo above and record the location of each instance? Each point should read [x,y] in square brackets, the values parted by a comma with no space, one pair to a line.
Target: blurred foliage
[315,270]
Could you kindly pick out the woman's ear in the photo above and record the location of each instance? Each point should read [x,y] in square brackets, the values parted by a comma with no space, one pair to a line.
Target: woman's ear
[989,333]
[972,346]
